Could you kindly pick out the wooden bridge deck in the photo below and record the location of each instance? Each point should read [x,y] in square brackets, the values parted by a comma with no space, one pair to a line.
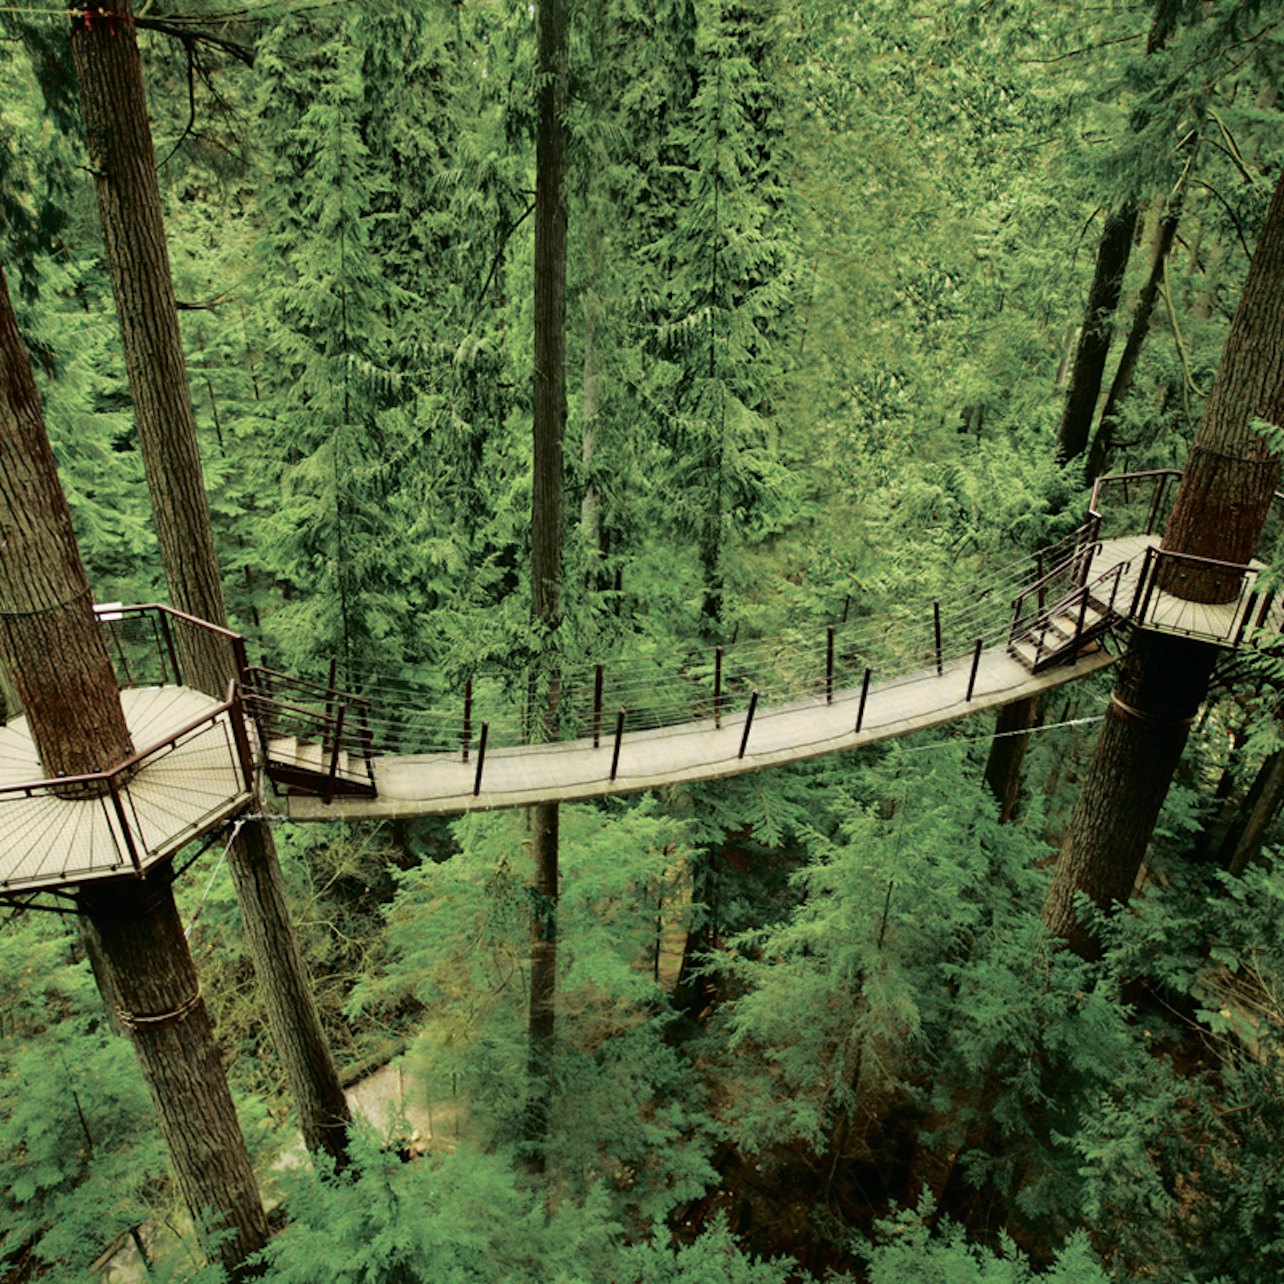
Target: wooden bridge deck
[573,771]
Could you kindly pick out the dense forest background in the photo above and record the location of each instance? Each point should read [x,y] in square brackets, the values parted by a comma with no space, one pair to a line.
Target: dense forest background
[829,274]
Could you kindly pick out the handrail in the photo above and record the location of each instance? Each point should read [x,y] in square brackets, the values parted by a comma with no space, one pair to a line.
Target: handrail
[106,778]
[109,609]
[319,687]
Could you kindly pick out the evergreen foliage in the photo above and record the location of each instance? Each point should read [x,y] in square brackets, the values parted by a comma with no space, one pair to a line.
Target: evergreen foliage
[825,272]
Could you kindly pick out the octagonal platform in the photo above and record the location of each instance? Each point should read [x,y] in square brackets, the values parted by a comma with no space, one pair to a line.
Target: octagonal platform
[191,774]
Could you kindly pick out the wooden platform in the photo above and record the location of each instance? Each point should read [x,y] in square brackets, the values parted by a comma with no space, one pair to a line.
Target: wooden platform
[178,794]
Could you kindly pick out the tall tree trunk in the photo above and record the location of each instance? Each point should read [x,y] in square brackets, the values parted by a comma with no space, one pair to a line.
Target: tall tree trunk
[1243,843]
[1107,282]
[159,998]
[50,640]
[114,106]
[546,528]
[591,405]
[1125,372]
[1094,334]
[54,647]
[1220,507]
[1007,753]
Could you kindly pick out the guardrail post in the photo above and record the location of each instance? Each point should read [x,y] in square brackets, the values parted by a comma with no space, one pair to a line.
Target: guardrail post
[1249,608]
[1134,611]
[329,700]
[1154,503]
[168,635]
[936,623]
[1150,570]
[1038,566]
[126,833]
[467,737]
[481,758]
[976,664]
[864,695]
[619,736]
[334,754]
[829,665]
[717,688]
[744,739]
[597,706]
[1083,615]
[241,736]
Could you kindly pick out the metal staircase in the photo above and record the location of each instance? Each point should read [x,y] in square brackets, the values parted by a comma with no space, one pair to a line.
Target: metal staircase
[315,738]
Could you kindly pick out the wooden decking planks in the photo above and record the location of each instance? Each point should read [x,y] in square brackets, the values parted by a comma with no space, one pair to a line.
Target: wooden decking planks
[48,841]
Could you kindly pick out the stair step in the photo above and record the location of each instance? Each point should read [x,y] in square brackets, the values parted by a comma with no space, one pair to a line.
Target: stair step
[1024,650]
[1065,626]
[306,756]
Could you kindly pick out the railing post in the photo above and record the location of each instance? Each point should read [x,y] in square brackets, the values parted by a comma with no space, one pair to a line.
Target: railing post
[717,687]
[1154,503]
[1143,576]
[1249,608]
[744,739]
[864,695]
[1038,566]
[619,736]
[168,634]
[240,656]
[976,664]
[481,758]
[1150,570]
[1083,615]
[829,665]
[126,833]
[467,737]
[329,700]
[936,623]
[241,736]
[334,754]
[1267,602]
[597,706]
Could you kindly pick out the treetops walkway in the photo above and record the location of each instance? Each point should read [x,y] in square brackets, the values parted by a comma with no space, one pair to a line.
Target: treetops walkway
[657,720]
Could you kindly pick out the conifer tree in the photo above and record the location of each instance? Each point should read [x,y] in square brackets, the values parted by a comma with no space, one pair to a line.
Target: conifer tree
[51,642]
[1226,491]
[549,406]
[118,134]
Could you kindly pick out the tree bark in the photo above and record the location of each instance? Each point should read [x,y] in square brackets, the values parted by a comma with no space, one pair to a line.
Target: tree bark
[1094,334]
[546,530]
[1007,753]
[159,999]
[1263,802]
[1125,372]
[1221,504]
[114,106]
[144,970]
[49,638]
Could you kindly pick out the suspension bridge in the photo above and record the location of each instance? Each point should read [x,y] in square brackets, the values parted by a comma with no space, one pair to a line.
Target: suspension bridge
[328,753]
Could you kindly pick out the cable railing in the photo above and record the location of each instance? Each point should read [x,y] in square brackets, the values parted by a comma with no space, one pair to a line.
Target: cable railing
[144,808]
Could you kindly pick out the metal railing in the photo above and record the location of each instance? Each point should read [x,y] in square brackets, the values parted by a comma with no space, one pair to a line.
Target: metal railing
[1158,603]
[135,836]
[312,714]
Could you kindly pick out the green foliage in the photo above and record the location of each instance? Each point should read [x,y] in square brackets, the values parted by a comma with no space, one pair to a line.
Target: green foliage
[908,1251]
[81,1159]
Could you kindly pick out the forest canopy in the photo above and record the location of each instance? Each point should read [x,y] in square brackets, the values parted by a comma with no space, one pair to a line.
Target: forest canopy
[526,338]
